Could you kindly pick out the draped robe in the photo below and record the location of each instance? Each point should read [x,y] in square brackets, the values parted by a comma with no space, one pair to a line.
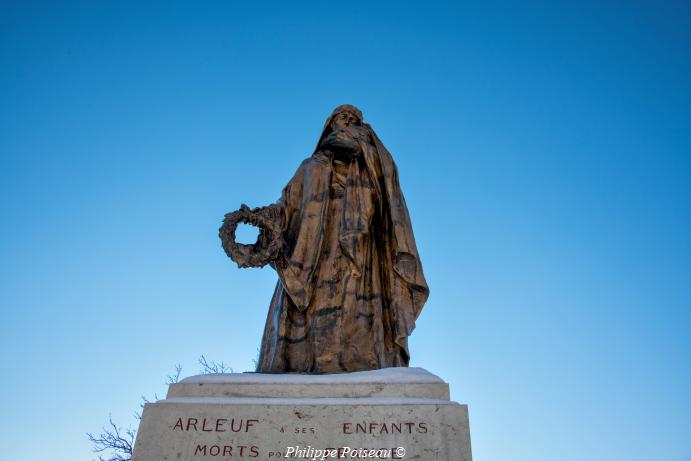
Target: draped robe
[350,279]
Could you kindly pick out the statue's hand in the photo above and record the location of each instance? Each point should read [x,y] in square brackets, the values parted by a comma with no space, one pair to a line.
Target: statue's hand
[268,214]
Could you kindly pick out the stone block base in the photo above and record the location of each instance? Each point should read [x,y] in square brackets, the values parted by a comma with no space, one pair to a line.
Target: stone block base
[395,413]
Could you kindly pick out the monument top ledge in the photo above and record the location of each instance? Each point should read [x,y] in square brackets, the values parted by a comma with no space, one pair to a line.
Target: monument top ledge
[393,375]
[387,382]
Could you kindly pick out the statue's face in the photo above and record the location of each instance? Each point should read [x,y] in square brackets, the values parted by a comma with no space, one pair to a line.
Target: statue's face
[344,119]
[346,125]
[343,135]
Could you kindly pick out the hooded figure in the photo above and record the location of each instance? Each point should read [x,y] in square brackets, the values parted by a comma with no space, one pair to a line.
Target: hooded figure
[350,280]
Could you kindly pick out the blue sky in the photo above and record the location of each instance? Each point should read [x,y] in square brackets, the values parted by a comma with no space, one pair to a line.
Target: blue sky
[544,150]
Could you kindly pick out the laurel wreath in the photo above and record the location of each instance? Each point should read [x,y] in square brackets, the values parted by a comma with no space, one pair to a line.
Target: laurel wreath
[267,247]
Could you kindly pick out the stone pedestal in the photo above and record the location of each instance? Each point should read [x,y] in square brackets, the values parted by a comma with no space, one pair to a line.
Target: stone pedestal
[394,413]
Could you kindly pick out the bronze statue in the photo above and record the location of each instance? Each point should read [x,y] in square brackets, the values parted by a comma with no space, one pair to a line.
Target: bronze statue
[350,280]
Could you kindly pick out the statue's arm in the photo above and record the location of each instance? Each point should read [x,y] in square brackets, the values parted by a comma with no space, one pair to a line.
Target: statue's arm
[273,222]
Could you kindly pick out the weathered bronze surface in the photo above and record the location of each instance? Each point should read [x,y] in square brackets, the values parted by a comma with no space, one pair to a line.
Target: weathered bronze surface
[350,280]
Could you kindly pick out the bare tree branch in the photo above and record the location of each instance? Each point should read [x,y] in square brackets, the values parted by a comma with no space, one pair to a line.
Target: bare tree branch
[116,443]
[174,377]
[213,367]
[115,440]
[138,414]
[256,361]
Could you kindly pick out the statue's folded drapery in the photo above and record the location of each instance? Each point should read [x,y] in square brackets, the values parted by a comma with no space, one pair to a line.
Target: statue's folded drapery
[350,280]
